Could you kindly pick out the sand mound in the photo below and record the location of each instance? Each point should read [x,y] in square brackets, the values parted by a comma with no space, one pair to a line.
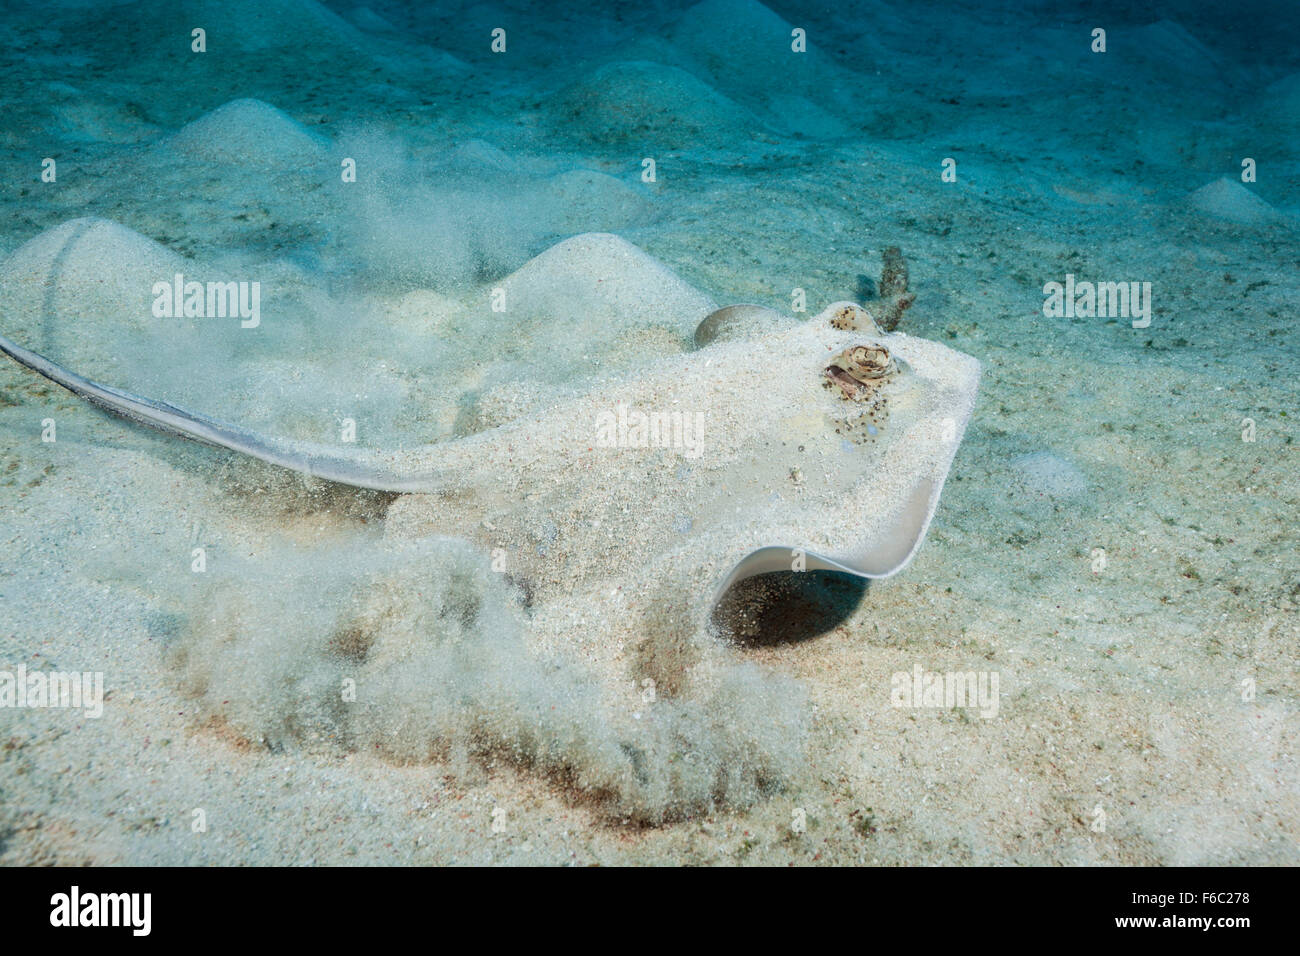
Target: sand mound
[596,285]
[579,195]
[1282,100]
[1165,49]
[367,19]
[652,105]
[249,132]
[101,119]
[480,156]
[99,299]
[745,46]
[466,215]
[731,35]
[1276,118]
[585,307]
[71,291]
[741,46]
[1231,201]
[257,25]
[796,115]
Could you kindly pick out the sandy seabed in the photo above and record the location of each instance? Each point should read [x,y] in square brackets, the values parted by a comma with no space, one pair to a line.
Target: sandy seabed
[1117,539]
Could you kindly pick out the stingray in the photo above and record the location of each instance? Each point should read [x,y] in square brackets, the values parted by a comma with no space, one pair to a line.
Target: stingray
[777,444]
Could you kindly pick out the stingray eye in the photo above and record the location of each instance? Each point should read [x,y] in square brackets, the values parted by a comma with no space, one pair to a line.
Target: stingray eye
[869,360]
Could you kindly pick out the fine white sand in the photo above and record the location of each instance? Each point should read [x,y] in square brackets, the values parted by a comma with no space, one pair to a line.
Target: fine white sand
[1115,542]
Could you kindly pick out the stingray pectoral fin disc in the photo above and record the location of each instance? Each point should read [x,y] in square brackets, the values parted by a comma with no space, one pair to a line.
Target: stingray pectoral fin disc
[738,322]
[882,559]
[860,499]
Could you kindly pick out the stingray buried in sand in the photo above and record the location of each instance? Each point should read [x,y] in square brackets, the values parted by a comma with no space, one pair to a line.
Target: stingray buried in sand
[820,444]
[621,490]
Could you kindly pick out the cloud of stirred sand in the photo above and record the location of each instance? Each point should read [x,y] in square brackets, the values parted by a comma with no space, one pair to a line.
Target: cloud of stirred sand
[416,652]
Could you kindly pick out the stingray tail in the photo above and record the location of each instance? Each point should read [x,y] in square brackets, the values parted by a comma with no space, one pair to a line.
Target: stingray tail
[357,469]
